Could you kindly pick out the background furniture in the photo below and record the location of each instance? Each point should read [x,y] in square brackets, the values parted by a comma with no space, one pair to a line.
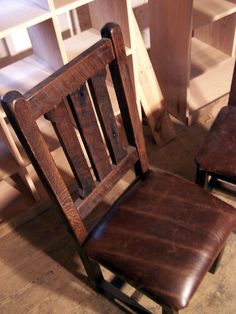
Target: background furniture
[192,52]
[216,157]
[143,222]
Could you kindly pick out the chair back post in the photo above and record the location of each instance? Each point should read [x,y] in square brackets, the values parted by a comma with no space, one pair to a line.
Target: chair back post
[232,94]
[125,95]
[20,116]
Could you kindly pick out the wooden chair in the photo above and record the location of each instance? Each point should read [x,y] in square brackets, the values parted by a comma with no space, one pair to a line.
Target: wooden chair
[163,233]
[216,158]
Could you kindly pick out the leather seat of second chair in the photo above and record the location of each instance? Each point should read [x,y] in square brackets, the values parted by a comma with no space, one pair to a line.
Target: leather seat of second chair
[161,239]
[217,154]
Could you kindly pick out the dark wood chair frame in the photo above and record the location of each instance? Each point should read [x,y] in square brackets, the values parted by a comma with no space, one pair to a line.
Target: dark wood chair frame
[53,98]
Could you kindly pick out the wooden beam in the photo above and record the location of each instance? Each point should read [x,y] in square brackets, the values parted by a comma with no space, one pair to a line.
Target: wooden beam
[150,94]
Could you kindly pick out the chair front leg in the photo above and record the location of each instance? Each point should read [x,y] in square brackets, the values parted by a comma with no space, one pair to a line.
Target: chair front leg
[216,263]
[201,177]
[167,310]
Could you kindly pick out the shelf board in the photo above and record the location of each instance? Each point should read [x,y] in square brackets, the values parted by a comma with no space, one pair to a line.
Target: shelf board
[15,14]
[204,57]
[63,6]
[23,74]
[207,11]
[8,165]
[77,44]
[210,85]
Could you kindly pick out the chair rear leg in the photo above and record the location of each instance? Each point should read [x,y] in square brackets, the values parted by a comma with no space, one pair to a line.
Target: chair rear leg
[212,183]
[201,177]
[167,310]
[216,263]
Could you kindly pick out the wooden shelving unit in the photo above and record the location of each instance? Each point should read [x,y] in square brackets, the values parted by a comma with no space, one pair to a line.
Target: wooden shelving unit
[27,72]
[62,6]
[194,62]
[13,15]
[208,11]
[50,49]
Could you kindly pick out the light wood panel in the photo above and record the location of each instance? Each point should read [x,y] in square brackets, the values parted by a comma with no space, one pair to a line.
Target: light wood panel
[80,42]
[211,85]
[11,160]
[220,34]
[45,43]
[170,26]
[150,94]
[189,69]
[8,163]
[77,44]
[23,74]
[204,57]
[207,11]
[15,14]
[104,11]
[62,6]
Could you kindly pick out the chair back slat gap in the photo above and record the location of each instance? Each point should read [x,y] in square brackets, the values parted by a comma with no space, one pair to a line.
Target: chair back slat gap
[65,131]
[86,123]
[102,103]
[98,194]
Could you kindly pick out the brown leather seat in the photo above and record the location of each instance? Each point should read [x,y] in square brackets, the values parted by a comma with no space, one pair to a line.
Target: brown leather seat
[161,239]
[218,153]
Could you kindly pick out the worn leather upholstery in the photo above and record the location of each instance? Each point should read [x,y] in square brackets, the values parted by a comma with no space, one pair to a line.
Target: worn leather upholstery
[218,152]
[162,240]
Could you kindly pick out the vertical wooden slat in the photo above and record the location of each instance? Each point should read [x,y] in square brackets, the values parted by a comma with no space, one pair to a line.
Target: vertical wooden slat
[86,122]
[125,94]
[64,129]
[106,116]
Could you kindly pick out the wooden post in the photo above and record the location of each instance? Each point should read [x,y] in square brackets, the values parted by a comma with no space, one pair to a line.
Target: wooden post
[150,94]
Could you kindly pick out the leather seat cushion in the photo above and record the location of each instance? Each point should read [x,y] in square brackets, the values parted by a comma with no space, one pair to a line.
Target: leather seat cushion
[218,152]
[163,237]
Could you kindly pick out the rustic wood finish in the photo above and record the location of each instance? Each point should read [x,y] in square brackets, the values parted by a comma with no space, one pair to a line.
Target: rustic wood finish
[86,206]
[50,92]
[125,94]
[104,109]
[153,236]
[21,116]
[86,122]
[65,131]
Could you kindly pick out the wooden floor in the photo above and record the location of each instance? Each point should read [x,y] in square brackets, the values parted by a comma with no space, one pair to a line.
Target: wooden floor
[40,271]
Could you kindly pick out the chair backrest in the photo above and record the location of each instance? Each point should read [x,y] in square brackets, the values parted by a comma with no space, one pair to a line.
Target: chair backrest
[79,90]
[232,95]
